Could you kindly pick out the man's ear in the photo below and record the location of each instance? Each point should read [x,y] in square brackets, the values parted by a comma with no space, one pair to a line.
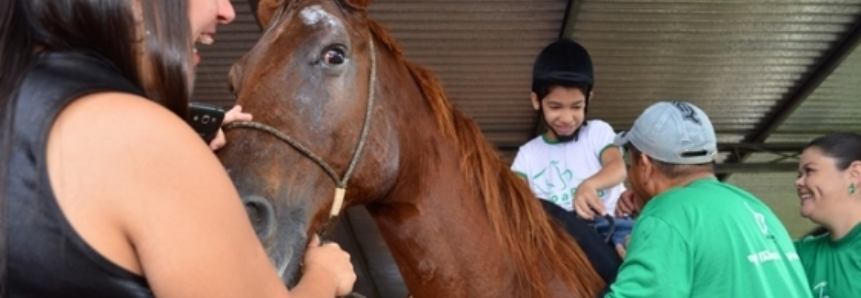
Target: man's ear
[591,95]
[647,166]
[536,104]
[648,175]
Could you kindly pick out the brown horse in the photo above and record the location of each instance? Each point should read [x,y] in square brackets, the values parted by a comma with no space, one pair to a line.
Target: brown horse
[458,222]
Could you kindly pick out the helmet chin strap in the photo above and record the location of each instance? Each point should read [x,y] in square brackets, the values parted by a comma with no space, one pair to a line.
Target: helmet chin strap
[568,138]
[560,138]
[565,139]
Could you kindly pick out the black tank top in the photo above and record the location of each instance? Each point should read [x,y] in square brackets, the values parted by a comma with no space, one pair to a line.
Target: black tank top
[46,257]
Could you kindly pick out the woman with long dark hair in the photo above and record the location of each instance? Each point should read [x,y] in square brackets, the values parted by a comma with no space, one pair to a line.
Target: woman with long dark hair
[106,191]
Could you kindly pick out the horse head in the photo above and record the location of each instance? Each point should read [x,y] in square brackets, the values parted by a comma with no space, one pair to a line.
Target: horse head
[310,84]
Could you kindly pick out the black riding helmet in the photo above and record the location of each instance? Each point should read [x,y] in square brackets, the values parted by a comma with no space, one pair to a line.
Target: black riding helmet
[563,63]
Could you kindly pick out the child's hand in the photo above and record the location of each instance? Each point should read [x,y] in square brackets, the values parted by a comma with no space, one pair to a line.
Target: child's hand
[587,204]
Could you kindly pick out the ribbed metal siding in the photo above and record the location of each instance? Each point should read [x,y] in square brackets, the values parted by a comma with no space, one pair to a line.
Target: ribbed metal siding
[834,106]
[734,59]
[231,42]
[481,50]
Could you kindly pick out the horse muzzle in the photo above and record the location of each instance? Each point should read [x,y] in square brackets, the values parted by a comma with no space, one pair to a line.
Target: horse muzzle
[261,214]
[283,237]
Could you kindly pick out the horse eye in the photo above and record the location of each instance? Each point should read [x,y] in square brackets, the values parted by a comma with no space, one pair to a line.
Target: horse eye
[334,56]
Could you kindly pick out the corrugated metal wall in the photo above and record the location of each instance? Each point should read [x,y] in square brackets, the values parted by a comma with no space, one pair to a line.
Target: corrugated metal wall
[482,51]
[231,42]
[734,59]
[835,105]
[737,59]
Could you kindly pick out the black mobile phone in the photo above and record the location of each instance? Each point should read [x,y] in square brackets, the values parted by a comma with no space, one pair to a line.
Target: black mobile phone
[205,119]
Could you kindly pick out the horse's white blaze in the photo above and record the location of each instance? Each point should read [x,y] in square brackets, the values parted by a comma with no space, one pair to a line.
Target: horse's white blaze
[314,14]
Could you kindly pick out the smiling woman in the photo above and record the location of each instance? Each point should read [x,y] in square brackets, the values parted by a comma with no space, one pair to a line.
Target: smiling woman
[829,187]
[112,193]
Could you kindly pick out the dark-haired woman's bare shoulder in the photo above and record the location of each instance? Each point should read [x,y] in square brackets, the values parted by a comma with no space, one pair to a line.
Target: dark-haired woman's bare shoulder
[143,190]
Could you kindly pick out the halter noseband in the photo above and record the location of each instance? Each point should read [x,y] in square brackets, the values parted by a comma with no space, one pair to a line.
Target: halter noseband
[341,188]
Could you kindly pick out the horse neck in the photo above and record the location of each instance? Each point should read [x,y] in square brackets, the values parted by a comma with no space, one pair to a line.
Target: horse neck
[440,237]
[434,219]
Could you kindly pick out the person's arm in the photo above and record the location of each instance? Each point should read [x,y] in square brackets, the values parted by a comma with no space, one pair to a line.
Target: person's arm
[612,172]
[658,263]
[137,184]
[629,204]
[318,282]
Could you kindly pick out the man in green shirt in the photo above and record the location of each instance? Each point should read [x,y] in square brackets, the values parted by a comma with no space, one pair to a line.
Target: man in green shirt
[696,236]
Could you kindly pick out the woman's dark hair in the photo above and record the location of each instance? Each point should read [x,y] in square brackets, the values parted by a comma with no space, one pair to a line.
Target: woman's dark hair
[151,48]
[148,41]
[8,63]
[843,147]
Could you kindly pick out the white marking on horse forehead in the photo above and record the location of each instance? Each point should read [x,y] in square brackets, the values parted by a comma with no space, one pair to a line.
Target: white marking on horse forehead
[313,14]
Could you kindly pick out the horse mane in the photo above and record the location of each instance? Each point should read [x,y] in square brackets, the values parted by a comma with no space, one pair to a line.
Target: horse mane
[520,223]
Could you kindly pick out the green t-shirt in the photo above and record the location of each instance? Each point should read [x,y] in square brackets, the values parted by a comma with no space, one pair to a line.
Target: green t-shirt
[709,239]
[833,267]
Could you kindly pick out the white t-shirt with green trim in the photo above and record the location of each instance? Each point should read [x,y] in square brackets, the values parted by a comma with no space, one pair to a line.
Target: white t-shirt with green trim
[554,170]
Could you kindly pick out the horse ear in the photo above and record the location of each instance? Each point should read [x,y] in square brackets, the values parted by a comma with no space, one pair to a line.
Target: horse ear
[363,4]
[265,10]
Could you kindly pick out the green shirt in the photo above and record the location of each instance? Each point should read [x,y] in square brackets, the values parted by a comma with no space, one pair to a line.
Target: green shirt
[709,239]
[833,267]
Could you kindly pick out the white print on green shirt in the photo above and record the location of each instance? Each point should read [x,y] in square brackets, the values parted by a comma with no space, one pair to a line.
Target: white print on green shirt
[768,256]
[765,255]
[760,220]
[820,288]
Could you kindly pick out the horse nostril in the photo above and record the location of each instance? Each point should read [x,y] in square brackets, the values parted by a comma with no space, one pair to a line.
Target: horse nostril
[253,210]
[261,214]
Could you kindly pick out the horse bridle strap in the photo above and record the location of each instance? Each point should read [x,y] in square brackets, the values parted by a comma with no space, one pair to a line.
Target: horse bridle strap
[341,182]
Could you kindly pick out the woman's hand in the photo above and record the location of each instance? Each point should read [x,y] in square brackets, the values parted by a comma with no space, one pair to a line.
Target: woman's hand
[235,114]
[332,260]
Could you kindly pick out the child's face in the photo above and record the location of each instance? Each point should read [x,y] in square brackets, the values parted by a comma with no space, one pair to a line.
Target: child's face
[564,109]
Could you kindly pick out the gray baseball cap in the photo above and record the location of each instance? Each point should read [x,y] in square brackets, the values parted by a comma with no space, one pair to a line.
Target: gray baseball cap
[674,132]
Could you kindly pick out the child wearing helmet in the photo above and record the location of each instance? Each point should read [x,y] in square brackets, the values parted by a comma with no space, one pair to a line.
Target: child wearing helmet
[574,163]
